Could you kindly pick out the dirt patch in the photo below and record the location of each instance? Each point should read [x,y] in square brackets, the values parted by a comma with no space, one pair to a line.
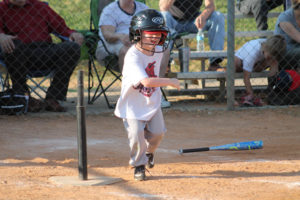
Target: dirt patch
[35,148]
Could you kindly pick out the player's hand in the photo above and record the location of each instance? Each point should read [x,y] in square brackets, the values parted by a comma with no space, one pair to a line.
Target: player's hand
[175,83]
[7,43]
[77,37]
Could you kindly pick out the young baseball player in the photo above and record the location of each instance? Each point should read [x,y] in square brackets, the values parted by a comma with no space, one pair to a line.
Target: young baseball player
[257,55]
[139,102]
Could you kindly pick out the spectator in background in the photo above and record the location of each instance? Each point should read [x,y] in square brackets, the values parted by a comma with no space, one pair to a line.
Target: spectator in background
[256,56]
[185,16]
[288,25]
[25,27]
[114,26]
[259,9]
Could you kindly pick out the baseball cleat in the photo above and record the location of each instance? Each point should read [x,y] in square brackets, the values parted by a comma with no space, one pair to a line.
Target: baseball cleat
[150,160]
[139,173]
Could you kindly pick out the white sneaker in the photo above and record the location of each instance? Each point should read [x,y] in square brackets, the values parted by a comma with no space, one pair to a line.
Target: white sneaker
[165,103]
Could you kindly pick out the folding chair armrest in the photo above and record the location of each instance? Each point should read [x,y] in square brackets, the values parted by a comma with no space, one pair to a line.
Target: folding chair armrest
[63,38]
[91,38]
[89,46]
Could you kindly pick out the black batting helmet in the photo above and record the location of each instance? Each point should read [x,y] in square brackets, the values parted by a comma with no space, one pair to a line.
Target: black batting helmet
[148,20]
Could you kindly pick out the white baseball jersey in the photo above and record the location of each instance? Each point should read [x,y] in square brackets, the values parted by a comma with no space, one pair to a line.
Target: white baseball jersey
[137,101]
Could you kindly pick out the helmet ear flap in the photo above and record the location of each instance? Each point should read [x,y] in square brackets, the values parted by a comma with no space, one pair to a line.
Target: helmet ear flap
[163,38]
[137,36]
[134,35]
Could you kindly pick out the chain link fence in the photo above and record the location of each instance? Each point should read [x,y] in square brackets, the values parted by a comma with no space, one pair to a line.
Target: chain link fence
[238,66]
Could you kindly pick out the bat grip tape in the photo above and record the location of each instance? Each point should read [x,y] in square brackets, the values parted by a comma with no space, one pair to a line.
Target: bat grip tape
[195,150]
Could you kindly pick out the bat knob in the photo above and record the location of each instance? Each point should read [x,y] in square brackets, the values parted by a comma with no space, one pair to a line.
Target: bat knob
[180,151]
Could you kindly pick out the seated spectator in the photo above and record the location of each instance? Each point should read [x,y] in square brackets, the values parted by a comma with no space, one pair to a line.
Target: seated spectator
[259,9]
[114,26]
[26,45]
[256,56]
[185,16]
[284,88]
[288,25]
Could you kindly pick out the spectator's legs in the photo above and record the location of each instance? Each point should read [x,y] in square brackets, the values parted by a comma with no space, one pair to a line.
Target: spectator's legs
[257,8]
[112,48]
[215,25]
[64,58]
[101,53]
[121,56]
[171,23]
[274,4]
[245,6]
[260,11]
[17,66]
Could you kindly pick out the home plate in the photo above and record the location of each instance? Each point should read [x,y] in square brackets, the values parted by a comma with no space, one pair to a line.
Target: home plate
[76,181]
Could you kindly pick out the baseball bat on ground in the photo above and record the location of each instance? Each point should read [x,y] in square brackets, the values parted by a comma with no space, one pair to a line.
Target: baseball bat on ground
[234,146]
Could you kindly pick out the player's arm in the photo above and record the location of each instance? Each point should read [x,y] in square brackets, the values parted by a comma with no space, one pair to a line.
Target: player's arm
[209,9]
[247,83]
[164,5]
[289,29]
[161,82]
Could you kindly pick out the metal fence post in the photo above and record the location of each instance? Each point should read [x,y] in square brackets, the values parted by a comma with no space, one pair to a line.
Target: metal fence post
[230,54]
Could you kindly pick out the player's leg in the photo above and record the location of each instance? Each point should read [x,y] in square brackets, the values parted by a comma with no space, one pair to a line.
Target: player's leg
[154,133]
[138,146]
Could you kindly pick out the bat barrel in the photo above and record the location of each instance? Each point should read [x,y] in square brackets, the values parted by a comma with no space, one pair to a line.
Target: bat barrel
[240,146]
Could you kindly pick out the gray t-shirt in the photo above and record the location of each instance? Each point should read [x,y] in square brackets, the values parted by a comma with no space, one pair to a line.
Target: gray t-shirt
[287,16]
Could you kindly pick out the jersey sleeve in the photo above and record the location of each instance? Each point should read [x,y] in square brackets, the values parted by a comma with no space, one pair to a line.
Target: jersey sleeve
[107,17]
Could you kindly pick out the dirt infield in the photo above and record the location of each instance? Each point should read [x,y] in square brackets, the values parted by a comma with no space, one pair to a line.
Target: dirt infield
[37,147]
